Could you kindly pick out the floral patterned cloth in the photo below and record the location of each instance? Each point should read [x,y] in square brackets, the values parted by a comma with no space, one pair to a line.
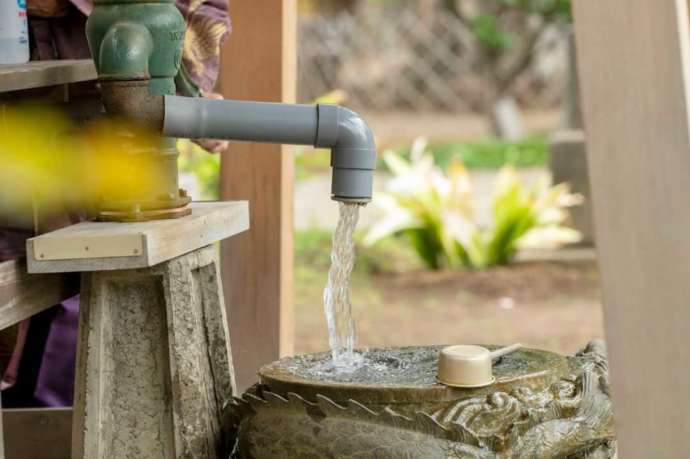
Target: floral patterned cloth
[208,25]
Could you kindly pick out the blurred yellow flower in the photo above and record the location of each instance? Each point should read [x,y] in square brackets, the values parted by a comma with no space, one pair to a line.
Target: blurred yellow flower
[47,161]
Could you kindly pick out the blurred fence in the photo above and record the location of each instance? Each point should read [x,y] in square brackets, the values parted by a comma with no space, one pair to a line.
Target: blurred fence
[391,59]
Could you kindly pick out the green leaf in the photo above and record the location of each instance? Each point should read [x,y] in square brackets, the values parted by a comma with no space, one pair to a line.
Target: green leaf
[485,29]
[427,246]
[491,153]
[438,222]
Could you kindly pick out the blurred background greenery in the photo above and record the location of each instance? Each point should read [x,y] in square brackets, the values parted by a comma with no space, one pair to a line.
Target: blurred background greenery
[479,229]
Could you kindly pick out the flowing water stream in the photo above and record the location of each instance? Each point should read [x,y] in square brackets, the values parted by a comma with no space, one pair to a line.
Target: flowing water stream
[336,296]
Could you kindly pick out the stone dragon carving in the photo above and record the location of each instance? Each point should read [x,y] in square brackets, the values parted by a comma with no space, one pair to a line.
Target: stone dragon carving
[570,419]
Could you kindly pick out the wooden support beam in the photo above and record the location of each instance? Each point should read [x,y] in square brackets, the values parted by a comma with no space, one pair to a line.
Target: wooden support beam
[39,74]
[38,433]
[153,361]
[22,295]
[259,63]
[634,65]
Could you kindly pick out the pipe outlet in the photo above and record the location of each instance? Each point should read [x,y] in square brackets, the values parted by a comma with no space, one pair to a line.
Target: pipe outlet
[344,132]
[353,152]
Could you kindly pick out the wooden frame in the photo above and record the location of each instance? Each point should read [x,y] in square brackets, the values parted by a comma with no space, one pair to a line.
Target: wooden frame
[634,65]
[40,74]
[38,433]
[21,296]
[259,63]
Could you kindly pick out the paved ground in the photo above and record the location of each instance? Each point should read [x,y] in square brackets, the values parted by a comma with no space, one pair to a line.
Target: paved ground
[396,128]
[314,209]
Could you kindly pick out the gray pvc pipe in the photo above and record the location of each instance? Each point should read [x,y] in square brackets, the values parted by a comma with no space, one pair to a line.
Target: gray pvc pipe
[191,117]
[353,151]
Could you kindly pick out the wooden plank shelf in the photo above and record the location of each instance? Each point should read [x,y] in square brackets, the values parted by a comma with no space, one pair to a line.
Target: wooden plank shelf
[99,246]
[39,74]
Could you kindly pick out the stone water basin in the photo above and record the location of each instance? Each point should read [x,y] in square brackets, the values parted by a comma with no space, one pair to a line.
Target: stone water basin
[543,405]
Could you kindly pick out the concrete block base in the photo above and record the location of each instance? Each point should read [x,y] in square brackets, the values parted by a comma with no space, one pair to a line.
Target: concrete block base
[154,367]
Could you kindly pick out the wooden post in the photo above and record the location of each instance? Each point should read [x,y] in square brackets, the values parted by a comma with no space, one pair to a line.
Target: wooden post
[259,63]
[2,433]
[634,65]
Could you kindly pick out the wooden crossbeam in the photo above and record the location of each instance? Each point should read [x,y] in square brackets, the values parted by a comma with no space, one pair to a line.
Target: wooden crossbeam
[39,74]
[37,433]
[23,295]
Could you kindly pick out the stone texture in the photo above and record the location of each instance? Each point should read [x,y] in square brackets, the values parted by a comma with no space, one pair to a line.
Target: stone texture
[154,365]
[562,410]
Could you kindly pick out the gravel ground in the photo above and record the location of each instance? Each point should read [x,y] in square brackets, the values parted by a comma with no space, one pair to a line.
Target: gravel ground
[550,305]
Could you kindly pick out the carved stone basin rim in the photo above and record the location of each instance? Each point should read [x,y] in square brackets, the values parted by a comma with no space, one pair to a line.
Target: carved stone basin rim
[543,406]
[527,367]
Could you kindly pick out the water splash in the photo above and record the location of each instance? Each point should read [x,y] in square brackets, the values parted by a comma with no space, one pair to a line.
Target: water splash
[396,366]
[336,296]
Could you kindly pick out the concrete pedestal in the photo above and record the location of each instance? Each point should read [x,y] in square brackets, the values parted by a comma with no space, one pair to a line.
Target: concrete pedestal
[569,164]
[154,367]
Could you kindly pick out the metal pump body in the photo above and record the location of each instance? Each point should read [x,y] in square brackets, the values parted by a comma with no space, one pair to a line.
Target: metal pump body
[137,48]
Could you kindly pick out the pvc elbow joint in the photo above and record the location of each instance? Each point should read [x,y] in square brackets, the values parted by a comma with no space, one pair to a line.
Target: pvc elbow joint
[353,152]
[344,132]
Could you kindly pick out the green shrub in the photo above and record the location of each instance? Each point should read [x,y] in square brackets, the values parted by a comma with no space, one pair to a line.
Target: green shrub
[491,153]
[203,165]
[434,210]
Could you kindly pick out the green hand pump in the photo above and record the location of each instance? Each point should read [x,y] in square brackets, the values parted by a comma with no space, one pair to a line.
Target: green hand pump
[137,49]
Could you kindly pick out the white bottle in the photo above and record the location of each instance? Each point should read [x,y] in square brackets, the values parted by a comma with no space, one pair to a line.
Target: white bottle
[14,34]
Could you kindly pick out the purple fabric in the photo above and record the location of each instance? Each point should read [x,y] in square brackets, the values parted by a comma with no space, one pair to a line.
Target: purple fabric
[55,384]
[59,37]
